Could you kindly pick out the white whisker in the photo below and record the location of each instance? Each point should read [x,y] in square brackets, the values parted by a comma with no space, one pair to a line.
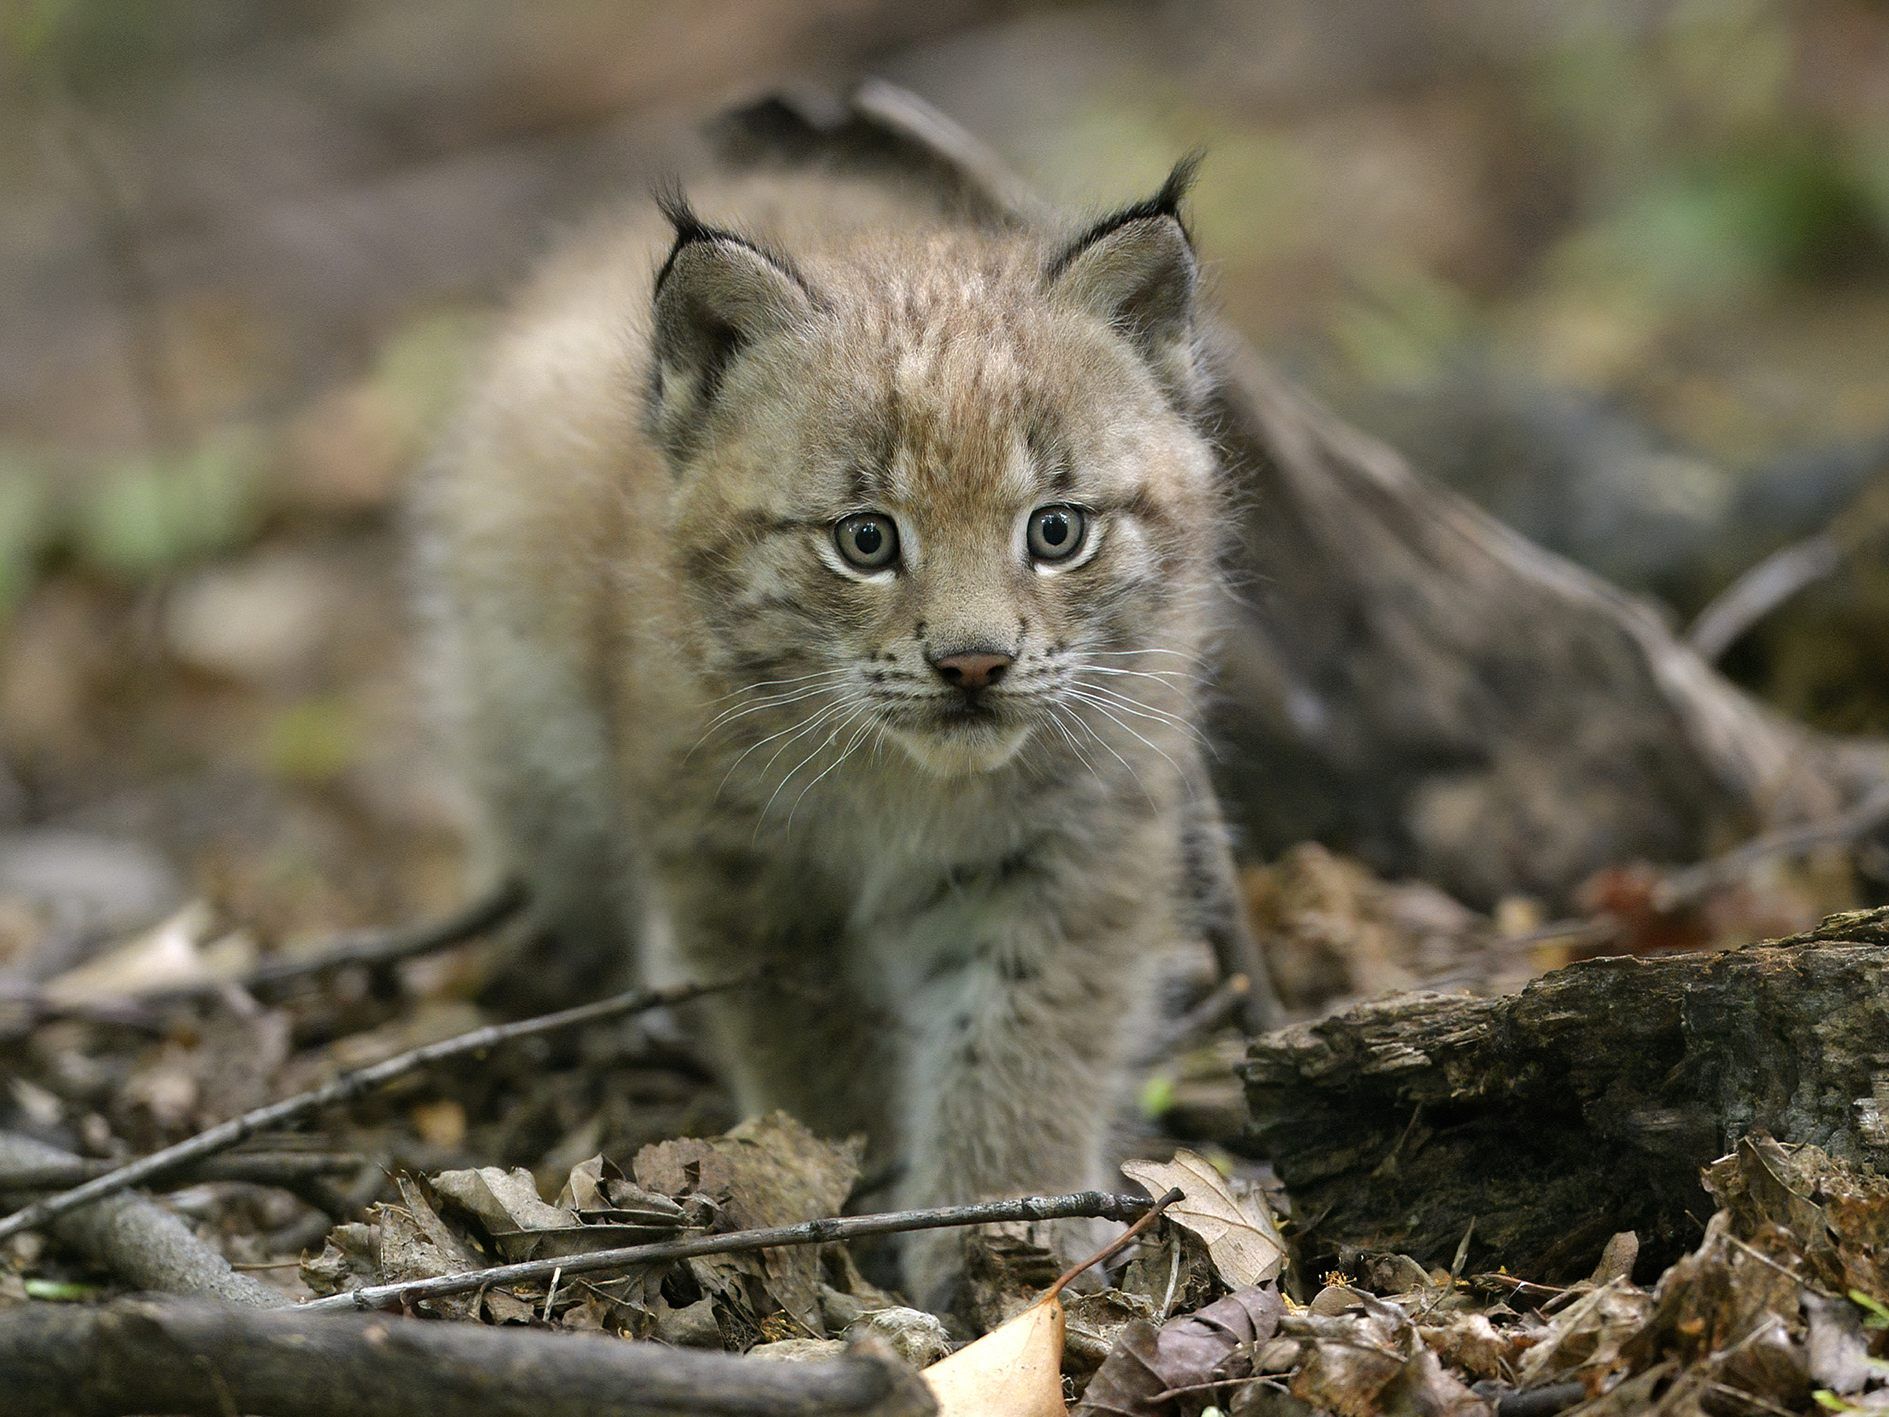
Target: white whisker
[812,720]
[1089,728]
[1101,706]
[741,711]
[859,736]
[780,683]
[824,744]
[1130,705]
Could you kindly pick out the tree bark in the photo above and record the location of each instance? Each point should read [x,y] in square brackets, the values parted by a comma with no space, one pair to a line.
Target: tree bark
[1405,678]
[164,1358]
[1582,1106]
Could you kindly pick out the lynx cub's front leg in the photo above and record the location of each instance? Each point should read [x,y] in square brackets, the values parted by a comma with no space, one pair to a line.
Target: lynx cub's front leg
[1030,1001]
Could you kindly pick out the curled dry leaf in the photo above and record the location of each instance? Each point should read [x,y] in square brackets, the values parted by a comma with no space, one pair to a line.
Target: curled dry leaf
[600,1193]
[1012,1371]
[1241,1237]
[1016,1370]
[524,1226]
[506,1203]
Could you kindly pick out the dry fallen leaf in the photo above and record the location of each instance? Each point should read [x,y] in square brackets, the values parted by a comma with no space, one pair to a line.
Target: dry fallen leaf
[506,1203]
[1241,1238]
[1016,1370]
[170,955]
[1213,1345]
[767,1171]
[1012,1371]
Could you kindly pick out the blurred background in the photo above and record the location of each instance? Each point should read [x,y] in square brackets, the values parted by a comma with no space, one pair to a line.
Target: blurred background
[1619,271]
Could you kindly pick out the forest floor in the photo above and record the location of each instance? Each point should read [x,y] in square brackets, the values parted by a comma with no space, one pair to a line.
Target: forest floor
[1651,336]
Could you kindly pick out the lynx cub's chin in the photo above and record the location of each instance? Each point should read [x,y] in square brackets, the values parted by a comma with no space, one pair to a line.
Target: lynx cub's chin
[960,750]
[829,590]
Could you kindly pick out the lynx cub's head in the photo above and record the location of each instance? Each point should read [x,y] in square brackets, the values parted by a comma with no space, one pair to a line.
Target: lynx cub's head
[942,487]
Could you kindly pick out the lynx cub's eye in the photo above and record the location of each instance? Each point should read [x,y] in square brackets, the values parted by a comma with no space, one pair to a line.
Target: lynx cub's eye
[1055,532]
[869,540]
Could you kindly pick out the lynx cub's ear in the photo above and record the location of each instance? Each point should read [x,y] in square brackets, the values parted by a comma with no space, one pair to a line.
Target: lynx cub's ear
[717,294]
[1136,270]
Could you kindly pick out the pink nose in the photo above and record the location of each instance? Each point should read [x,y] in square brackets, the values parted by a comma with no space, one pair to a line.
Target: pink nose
[972,671]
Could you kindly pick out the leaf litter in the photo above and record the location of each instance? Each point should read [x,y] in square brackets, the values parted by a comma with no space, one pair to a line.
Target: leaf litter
[1782,1306]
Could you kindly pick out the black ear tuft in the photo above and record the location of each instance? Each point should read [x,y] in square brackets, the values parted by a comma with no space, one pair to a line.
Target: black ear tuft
[717,294]
[1135,270]
[673,202]
[1166,202]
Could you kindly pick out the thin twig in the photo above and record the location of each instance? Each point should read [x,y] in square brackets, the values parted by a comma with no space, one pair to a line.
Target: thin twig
[1762,589]
[267,1168]
[1088,1204]
[1118,1244]
[376,949]
[346,1088]
[1690,885]
[372,949]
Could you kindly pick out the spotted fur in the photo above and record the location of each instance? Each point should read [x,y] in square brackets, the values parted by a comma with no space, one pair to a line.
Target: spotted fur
[695,728]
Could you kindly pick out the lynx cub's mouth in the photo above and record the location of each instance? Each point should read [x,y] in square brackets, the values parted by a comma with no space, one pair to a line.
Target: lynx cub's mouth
[963,737]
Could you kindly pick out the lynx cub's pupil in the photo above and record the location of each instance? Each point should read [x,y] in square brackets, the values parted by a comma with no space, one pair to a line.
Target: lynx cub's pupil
[868,541]
[1055,533]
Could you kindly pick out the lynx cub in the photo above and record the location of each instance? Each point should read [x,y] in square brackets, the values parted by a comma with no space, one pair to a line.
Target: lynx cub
[829,589]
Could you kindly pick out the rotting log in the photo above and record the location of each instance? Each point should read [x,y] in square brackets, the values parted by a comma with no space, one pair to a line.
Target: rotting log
[139,1356]
[1405,678]
[1584,1105]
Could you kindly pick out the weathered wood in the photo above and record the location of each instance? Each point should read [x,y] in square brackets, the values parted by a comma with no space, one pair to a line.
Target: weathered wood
[1417,683]
[1584,1105]
[140,1241]
[162,1358]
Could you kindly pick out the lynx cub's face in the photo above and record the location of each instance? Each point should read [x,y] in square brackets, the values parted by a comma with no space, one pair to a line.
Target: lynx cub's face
[944,490]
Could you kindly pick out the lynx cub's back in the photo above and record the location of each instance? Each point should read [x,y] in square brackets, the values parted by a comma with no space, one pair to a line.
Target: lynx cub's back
[828,589]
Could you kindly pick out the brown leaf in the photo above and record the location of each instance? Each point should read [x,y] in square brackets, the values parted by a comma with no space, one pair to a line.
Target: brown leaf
[598,1191]
[770,1171]
[1200,1348]
[416,1244]
[1241,1236]
[1012,1371]
[506,1204]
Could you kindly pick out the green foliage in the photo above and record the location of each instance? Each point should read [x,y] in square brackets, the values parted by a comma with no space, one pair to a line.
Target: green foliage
[312,742]
[148,515]
[1877,1310]
[99,41]
[27,526]
[1730,223]
[61,1291]
[1157,1095]
[1402,326]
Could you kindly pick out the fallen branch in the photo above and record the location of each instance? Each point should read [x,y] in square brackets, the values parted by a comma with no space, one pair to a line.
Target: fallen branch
[59,1360]
[1692,884]
[140,1242]
[345,1088]
[1098,1205]
[366,949]
[260,1168]
[376,949]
